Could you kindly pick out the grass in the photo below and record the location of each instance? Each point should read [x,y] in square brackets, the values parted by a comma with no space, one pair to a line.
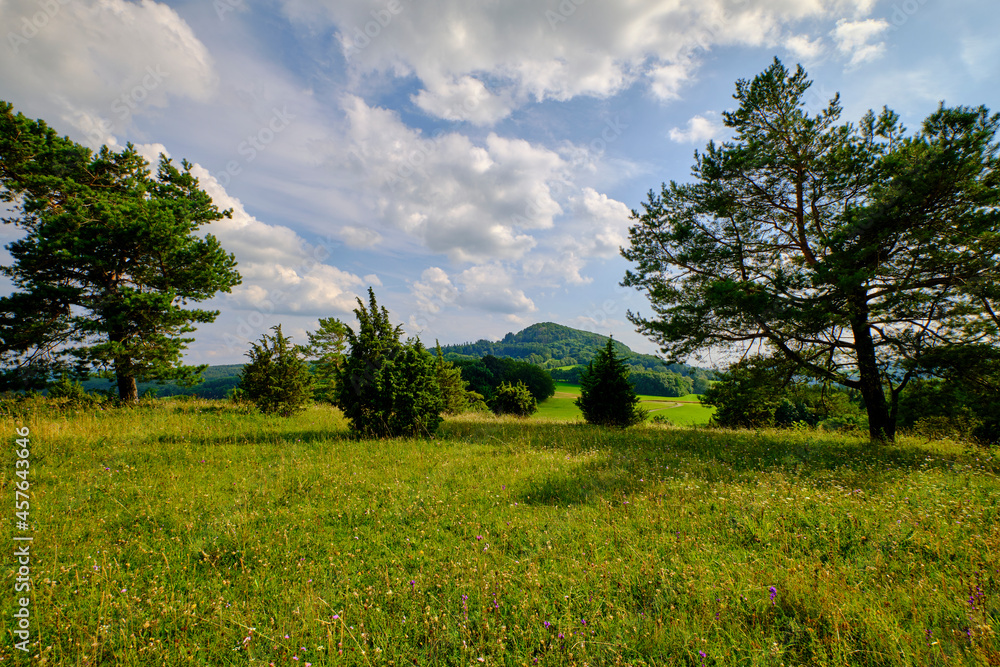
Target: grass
[191,534]
[681,411]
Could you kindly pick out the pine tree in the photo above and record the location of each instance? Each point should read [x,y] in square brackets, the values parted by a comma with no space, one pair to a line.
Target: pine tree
[326,347]
[277,379]
[110,257]
[606,397]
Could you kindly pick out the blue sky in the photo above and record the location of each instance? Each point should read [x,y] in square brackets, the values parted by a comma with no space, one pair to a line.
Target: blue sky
[475,162]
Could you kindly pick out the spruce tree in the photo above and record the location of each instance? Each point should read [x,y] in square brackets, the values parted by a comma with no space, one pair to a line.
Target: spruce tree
[454,394]
[606,397]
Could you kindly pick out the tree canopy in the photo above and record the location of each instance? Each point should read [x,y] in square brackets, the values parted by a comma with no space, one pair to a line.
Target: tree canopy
[110,257]
[852,250]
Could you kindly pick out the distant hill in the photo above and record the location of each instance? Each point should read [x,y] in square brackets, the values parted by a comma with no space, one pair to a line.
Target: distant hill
[554,346]
[565,351]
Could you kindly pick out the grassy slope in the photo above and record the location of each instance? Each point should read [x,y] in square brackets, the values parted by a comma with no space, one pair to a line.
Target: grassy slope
[162,535]
[682,411]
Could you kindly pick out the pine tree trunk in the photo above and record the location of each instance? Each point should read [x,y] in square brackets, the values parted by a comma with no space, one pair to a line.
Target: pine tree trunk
[881,425]
[128,391]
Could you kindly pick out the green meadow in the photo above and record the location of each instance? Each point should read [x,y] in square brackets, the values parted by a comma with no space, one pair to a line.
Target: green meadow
[193,533]
[681,411]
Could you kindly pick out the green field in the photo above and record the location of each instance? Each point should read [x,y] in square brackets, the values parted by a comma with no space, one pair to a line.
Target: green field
[189,533]
[682,411]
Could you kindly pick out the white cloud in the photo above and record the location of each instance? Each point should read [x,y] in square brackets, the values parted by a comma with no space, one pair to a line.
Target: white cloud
[282,273]
[804,48]
[464,98]
[480,61]
[97,64]
[699,130]
[854,39]
[359,237]
[473,202]
[596,228]
[490,288]
[487,288]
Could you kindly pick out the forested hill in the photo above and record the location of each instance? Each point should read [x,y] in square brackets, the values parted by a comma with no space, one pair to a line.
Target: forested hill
[554,345]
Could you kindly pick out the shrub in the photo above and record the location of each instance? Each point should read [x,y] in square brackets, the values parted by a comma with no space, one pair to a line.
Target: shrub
[606,395]
[661,420]
[387,388]
[72,393]
[513,399]
[277,379]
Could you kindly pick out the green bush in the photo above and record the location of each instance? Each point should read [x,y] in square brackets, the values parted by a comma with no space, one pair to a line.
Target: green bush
[72,393]
[513,399]
[277,379]
[386,388]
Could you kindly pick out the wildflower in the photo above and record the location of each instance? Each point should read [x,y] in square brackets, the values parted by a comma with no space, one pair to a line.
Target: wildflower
[774,594]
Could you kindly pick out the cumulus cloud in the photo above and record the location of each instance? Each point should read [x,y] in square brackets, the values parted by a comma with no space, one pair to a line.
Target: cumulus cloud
[478,62]
[596,228]
[464,98]
[804,48]
[97,64]
[281,272]
[487,288]
[854,39]
[471,201]
[699,130]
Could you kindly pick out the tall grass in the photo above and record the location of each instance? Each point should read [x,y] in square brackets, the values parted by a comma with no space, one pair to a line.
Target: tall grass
[189,533]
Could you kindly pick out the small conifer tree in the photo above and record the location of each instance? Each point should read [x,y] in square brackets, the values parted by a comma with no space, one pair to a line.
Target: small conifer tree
[606,397]
[387,388]
[326,348]
[277,379]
